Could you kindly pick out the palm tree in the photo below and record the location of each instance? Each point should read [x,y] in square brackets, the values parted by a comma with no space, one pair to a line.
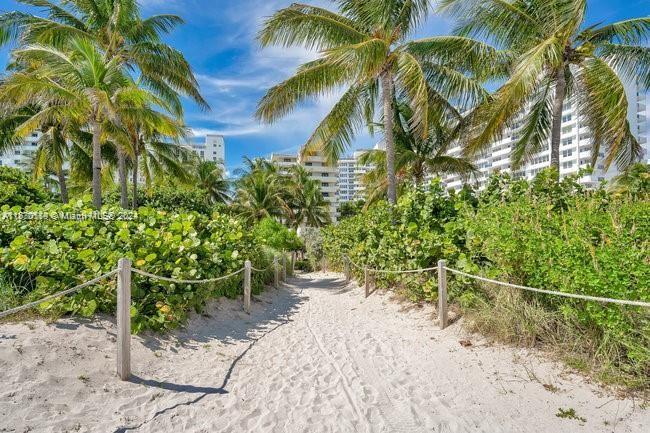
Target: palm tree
[365,49]
[51,154]
[259,195]
[210,178]
[123,35]
[557,56]
[141,129]
[74,84]
[306,205]
[416,158]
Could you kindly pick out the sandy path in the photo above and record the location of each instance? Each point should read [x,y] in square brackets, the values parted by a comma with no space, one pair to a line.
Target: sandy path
[314,356]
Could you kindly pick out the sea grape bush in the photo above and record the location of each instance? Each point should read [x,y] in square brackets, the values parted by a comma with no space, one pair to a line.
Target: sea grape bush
[543,233]
[49,255]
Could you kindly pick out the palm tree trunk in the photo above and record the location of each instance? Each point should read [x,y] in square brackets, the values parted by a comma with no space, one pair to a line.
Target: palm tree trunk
[556,129]
[97,165]
[389,141]
[63,187]
[121,171]
[134,202]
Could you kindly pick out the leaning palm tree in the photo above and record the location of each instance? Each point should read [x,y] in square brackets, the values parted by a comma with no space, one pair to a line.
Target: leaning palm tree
[123,35]
[366,50]
[77,83]
[557,56]
[416,158]
[210,178]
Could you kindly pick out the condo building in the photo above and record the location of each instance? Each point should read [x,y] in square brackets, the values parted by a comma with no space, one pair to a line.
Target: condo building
[575,147]
[350,185]
[21,156]
[212,149]
[319,170]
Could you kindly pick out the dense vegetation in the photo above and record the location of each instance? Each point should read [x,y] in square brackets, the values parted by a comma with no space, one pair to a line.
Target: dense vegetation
[545,234]
[49,253]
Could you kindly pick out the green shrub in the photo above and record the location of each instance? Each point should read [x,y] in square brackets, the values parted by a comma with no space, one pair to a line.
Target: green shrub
[50,255]
[16,189]
[313,240]
[273,234]
[547,234]
[170,199]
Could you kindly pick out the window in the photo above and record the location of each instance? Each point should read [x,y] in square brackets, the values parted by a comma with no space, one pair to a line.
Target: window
[567,164]
[566,118]
[567,130]
[17,151]
[286,160]
[325,174]
[566,153]
[34,134]
[202,154]
[309,164]
[34,144]
[567,142]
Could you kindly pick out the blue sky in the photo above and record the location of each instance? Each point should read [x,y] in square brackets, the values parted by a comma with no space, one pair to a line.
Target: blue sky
[218,39]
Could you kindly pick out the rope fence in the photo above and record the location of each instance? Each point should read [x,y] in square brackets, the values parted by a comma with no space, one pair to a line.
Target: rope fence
[442,269]
[56,295]
[124,272]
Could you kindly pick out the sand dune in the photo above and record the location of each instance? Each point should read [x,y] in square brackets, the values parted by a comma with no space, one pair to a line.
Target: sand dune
[314,356]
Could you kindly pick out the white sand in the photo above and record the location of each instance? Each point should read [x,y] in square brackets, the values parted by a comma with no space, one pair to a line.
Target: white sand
[313,357]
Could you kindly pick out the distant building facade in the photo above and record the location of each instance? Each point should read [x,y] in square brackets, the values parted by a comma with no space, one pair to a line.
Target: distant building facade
[350,174]
[21,156]
[319,170]
[575,147]
[212,149]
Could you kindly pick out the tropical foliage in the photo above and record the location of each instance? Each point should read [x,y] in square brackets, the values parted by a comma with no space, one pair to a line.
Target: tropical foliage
[365,49]
[556,58]
[75,70]
[546,234]
[264,191]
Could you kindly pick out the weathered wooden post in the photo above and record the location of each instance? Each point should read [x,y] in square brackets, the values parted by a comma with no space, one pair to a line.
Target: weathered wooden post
[247,286]
[366,280]
[346,268]
[442,294]
[284,267]
[293,263]
[276,272]
[124,318]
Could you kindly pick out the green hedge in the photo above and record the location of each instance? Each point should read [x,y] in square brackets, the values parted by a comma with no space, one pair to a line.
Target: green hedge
[547,234]
[45,256]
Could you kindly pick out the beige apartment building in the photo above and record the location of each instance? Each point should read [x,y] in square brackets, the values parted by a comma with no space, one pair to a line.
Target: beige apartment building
[319,170]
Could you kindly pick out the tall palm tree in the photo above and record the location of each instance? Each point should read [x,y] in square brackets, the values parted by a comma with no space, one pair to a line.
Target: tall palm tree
[366,50]
[77,83]
[123,35]
[416,158]
[306,205]
[557,56]
[210,178]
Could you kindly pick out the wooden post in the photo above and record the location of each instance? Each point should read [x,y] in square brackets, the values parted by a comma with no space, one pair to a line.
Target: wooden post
[346,268]
[366,281]
[284,267]
[293,263]
[442,294]
[124,319]
[247,286]
[276,272]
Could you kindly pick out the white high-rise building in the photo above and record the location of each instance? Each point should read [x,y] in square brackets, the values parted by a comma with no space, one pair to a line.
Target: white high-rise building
[21,156]
[213,149]
[351,172]
[319,170]
[575,147]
